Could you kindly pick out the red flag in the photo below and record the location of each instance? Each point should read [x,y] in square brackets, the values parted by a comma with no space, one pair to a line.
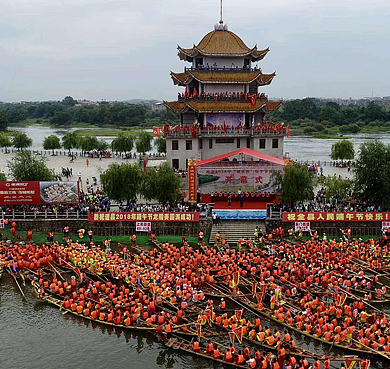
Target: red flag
[236,278]
[246,96]
[231,336]
[199,329]
[270,125]
[195,94]
[254,286]
[156,131]
[278,128]
[238,313]
[238,332]
[193,131]
[259,297]
[365,364]
[185,94]
[216,99]
[288,130]
[78,273]
[253,100]
[350,362]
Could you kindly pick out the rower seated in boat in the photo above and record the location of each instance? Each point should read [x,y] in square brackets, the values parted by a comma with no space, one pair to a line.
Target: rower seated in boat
[195,345]
[228,356]
[252,362]
[216,353]
[210,348]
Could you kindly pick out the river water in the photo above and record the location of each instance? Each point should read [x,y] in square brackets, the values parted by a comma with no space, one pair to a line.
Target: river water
[34,334]
[298,147]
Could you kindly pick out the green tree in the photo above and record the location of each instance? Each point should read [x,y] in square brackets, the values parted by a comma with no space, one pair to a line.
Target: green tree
[21,141]
[161,184]
[372,173]
[52,142]
[88,143]
[295,184]
[3,177]
[342,150]
[161,144]
[69,141]
[5,141]
[336,187]
[61,118]
[102,145]
[26,166]
[123,143]
[69,101]
[3,121]
[122,182]
[144,142]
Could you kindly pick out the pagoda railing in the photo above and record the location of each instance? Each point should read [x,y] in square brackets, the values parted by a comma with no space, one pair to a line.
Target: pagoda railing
[221,69]
[213,98]
[242,132]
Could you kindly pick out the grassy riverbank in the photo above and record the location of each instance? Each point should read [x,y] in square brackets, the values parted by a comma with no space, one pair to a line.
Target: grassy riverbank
[40,237]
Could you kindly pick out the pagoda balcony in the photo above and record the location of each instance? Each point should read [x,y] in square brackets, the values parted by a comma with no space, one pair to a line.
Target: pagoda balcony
[187,132]
[221,98]
[221,69]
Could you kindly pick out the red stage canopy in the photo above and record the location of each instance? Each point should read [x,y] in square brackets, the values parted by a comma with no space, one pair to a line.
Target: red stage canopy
[244,151]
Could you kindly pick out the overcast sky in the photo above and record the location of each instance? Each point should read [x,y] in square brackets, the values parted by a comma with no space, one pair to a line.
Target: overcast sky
[125,49]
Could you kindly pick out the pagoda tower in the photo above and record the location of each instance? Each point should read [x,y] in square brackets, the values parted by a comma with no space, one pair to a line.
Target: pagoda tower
[221,108]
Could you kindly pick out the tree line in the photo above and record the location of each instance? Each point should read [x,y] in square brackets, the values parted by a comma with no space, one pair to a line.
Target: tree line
[314,115]
[124,143]
[65,112]
[369,185]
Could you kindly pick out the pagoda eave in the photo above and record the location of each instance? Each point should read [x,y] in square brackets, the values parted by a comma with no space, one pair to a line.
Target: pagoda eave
[221,107]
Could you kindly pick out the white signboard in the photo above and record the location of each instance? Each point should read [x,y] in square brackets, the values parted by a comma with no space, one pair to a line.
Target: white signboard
[143,226]
[385,226]
[305,226]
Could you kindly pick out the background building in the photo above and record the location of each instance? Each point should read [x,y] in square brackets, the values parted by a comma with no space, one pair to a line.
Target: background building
[221,108]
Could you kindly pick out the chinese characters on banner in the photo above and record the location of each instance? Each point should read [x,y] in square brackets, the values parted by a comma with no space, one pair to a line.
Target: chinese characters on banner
[143,226]
[385,226]
[192,180]
[304,226]
[335,217]
[147,216]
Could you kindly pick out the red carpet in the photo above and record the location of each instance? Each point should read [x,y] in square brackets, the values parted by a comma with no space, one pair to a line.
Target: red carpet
[252,205]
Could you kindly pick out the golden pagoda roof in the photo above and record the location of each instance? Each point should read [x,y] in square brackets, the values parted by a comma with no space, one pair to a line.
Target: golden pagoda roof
[221,43]
[182,79]
[222,106]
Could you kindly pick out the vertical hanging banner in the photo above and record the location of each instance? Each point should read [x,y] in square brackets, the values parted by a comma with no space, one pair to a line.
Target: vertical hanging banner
[192,179]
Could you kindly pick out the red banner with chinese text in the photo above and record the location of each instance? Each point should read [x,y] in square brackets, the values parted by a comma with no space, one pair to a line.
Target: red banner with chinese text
[144,216]
[192,180]
[335,217]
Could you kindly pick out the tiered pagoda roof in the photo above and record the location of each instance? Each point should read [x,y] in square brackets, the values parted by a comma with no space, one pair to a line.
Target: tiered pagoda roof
[221,43]
[222,107]
[210,76]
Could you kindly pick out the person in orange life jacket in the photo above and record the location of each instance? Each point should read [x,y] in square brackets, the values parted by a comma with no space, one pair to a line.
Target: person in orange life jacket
[29,236]
[90,235]
[133,239]
[66,231]
[210,348]
[216,353]
[222,305]
[195,345]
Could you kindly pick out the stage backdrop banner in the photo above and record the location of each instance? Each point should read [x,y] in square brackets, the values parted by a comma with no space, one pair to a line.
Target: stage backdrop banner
[335,217]
[233,176]
[144,216]
[31,192]
[222,120]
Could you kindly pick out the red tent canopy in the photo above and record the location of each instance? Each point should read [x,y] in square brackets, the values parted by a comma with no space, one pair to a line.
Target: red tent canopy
[244,151]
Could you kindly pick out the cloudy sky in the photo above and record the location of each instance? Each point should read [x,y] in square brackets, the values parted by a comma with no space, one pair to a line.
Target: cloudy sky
[125,49]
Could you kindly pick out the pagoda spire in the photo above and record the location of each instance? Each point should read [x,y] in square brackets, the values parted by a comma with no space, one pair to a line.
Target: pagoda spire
[221,20]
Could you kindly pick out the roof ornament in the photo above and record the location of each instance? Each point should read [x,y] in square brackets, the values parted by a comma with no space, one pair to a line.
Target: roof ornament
[221,26]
